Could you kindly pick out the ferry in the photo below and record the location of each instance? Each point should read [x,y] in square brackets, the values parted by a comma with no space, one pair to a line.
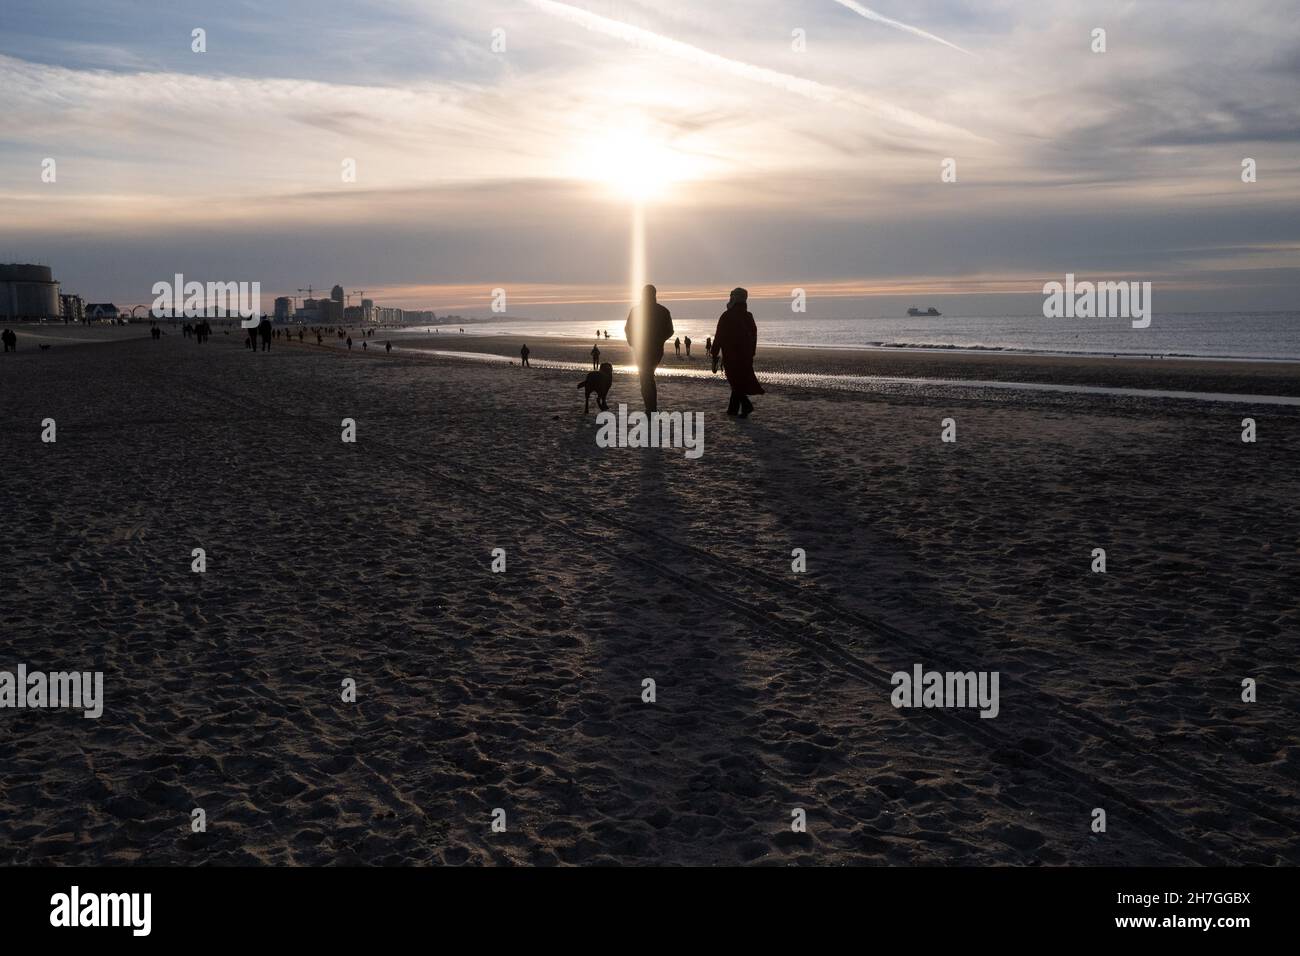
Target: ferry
[930,311]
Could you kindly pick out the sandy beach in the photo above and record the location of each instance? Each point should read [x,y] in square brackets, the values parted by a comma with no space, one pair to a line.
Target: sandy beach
[522,690]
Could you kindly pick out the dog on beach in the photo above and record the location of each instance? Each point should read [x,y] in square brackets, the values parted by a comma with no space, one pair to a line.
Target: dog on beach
[599,382]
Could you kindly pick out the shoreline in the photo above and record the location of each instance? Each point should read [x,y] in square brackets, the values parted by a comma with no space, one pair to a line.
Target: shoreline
[1222,376]
[810,367]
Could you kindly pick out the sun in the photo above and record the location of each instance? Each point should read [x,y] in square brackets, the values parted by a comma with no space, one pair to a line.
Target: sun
[634,166]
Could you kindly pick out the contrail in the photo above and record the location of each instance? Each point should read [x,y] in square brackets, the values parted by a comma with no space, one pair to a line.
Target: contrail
[811,89]
[881,18]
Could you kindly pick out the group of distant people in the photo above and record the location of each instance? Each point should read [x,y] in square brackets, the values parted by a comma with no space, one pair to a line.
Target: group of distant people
[10,340]
[731,347]
[199,331]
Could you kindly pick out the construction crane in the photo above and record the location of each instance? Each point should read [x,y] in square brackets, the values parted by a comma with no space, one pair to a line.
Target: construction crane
[308,290]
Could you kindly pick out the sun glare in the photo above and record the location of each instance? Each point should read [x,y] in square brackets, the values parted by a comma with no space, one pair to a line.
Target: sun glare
[634,166]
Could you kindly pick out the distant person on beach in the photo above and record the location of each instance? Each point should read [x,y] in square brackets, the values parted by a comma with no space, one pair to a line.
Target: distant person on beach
[349,343]
[595,355]
[388,346]
[708,345]
[649,326]
[607,333]
[523,354]
[10,340]
[687,343]
[736,339]
[677,346]
[264,330]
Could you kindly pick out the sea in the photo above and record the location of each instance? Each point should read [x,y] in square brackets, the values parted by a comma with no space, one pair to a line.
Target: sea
[1231,335]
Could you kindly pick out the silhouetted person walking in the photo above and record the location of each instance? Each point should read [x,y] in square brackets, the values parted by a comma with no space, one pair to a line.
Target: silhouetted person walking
[349,343]
[595,355]
[523,356]
[677,346]
[649,326]
[687,343]
[736,339]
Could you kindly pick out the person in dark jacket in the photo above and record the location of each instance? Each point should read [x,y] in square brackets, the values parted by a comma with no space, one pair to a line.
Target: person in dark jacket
[649,326]
[736,340]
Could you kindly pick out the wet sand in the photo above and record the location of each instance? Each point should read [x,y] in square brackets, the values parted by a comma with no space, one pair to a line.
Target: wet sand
[1174,374]
[523,690]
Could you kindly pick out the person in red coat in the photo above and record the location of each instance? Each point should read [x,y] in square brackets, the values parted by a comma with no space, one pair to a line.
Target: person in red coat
[737,339]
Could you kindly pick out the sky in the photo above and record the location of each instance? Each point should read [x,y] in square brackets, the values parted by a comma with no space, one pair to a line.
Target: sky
[776,145]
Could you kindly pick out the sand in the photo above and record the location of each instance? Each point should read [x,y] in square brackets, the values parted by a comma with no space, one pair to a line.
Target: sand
[523,690]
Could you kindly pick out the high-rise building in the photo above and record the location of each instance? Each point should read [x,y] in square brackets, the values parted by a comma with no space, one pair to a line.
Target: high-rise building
[73,308]
[283,308]
[336,293]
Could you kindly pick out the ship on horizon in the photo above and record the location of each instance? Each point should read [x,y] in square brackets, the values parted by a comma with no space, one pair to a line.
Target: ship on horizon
[930,311]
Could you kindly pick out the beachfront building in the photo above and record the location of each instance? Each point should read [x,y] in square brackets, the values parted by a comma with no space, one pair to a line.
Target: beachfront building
[283,308]
[102,312]
[73,308]
[28,292]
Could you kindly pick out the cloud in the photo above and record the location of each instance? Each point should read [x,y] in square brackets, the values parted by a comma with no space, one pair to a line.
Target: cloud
[898,25]
[811,89]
